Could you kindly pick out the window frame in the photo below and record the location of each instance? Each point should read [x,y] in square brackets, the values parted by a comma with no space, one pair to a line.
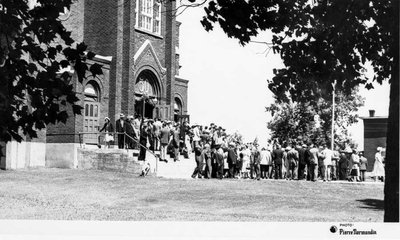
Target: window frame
[157,18]
[146,18]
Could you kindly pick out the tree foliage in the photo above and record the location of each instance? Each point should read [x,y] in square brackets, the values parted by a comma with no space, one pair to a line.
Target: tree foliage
[302,121]
[322,41]
[235,137]
[34,47]
[319,41]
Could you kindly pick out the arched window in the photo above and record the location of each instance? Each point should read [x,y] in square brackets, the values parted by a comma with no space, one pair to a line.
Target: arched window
[177,106]
[91,92]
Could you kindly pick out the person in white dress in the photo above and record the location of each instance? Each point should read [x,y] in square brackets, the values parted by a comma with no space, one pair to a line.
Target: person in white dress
[246,162]
[379,169]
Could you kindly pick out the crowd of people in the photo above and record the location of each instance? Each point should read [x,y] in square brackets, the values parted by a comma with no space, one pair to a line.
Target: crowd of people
[219,156]
[293,161]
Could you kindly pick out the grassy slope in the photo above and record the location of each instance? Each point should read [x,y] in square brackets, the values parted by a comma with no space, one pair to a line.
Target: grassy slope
[57,194]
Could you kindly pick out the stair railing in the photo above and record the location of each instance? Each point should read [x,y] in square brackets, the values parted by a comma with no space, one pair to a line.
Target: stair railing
[81,134]
[146,148]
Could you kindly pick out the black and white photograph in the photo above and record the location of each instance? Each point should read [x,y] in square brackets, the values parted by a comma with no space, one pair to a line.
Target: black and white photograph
[199,119]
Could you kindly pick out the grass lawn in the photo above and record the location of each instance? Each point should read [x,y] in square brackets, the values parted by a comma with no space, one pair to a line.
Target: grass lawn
[59,194]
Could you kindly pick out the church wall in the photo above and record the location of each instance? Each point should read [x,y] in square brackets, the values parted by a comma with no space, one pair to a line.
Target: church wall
[108,28]
[170,39]
[103,34]
[75,21]
[181,88]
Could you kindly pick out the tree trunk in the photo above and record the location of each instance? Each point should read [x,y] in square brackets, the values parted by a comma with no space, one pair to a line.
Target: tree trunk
[392,142]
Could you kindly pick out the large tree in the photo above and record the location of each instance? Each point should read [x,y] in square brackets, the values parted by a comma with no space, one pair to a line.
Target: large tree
[309,122]
[322,41]
[34,48]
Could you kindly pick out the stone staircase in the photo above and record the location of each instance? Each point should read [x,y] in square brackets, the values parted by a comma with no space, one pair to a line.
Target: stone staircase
[117,160]
[122,160]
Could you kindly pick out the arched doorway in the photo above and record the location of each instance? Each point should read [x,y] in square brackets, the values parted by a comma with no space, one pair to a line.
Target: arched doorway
[91,116]
[177,109]
[147,94]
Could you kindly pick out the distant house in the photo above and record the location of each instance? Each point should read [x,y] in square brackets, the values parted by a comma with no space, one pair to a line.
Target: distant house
[375,129]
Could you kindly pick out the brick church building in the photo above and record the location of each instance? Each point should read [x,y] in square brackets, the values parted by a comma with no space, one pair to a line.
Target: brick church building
[142,39]
[137,44]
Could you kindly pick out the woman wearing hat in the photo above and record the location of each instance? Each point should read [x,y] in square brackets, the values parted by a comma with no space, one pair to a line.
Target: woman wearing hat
[354,166]
[108,127]
[379,169]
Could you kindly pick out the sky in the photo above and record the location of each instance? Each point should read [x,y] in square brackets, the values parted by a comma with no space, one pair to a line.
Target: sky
[228,82]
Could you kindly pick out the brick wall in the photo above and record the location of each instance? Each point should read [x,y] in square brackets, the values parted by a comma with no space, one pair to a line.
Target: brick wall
[60,132]
[126,44]
[75,21]
[108,28]
[101,34]
[181,89]
[177,66]
[100,26]
[170,39]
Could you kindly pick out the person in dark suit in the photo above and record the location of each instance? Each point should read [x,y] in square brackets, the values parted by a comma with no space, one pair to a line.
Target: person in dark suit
[176,141]
[130,132]
[219,157]
[277,156]
[150,129]
[302,161]
[199,158]
[344,162]
[232,159]
[120,128]
[144,134]
[256,162]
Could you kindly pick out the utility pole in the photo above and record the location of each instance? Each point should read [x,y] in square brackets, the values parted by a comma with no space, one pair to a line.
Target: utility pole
[333,116]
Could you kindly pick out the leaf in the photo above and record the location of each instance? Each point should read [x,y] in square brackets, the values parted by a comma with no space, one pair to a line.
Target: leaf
[64,63]
[52,52]
[369,86]
[80,69]
[81,47]
[77,109]
[62,116]
[95,69]
[32,68]
[206,24]
[90,55]
[59,48]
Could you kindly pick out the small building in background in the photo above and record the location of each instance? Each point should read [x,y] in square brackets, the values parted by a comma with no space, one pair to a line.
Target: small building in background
[375,129]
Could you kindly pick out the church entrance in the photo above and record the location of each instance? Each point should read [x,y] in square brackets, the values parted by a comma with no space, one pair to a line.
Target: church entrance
[147,110]
[147,92]
[91,114]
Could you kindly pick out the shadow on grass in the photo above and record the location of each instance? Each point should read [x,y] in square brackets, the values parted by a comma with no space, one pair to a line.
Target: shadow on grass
[374,204]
